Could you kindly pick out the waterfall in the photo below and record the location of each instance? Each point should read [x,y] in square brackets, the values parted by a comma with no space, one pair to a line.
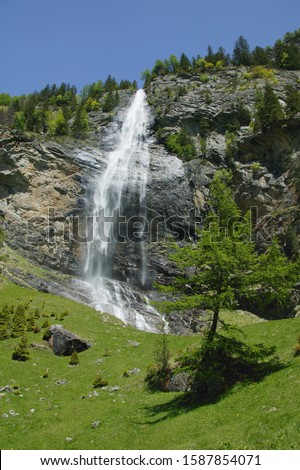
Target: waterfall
[119,216]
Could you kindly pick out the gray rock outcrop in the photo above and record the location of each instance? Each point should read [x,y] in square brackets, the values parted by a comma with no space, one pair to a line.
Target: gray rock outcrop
[63,342]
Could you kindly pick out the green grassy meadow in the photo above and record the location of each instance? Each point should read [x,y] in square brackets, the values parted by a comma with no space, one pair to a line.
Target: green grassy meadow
[42,412]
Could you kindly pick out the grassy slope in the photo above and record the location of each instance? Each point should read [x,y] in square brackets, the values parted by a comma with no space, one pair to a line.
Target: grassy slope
[256,416]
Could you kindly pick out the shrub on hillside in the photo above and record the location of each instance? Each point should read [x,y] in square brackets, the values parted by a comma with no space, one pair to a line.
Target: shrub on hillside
[21,352]
[18,326]
[159,375]
[74,359]
[99,382]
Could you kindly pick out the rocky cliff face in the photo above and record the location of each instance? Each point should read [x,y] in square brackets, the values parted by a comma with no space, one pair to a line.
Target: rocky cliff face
[265,164]
[44,185]
[39,187]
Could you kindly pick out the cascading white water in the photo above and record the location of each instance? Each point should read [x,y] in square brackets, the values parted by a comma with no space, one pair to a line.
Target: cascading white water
[119,189]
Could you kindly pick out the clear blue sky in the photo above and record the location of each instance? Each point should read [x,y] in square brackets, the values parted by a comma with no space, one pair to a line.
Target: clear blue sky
[81,41]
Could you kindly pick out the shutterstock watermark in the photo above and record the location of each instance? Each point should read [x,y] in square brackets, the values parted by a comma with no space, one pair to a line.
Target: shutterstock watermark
[146,227]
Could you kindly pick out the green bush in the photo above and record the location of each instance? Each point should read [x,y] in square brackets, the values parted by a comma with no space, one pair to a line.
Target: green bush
[74,359]
[157,378]
[57,123]
[4,332]
[256,168]
[62,315]
[47,334]
[18,326]
[181,144]
[91,105]
[99,382]
[107,353]
[203,78]
[80,125]
[260,72]
[4,323]
[159,375]
[21,352]
[231,148]
[19,121]
[30,322]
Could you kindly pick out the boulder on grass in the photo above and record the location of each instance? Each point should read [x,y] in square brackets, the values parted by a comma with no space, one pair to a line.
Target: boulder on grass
[180,382]
[64,342]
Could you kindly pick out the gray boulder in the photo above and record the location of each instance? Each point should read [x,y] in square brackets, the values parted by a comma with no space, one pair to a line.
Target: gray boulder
[180,382]
[64,342]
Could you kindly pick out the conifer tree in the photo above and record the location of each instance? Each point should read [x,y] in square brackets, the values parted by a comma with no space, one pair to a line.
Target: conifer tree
[223,264]
[21,351]
[111,100]
[173,64]
[241,52]
[184,63]
[210,55]
[292,100]
[18,326]
[81,123]
[74,359]
[4,324]
[268,109]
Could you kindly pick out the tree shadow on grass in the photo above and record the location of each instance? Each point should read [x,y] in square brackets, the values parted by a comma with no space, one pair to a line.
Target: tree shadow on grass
[216,369]
[181,404]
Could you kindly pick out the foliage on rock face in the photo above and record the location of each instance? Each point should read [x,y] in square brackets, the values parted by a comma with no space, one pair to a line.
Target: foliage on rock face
[2,233]
[19,121]
[110,102]
[223,265]
[259,71]
[50,110]
[80,125]
[181,144]
[268,109]
[291,247]
[57,123]
[286,55]
[292,101]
